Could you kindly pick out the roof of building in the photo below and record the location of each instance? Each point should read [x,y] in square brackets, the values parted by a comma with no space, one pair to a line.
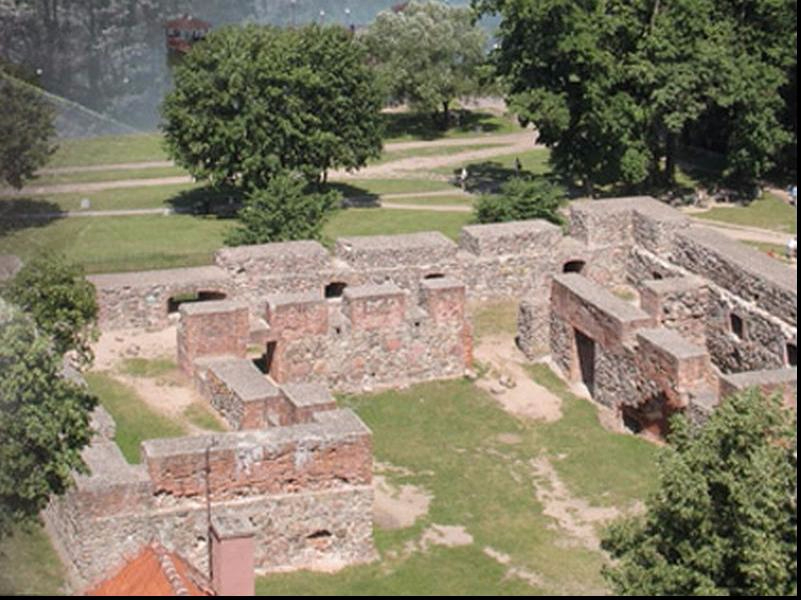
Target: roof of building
[154,572]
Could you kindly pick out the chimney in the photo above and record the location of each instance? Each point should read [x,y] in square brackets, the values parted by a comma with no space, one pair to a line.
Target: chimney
[232,561]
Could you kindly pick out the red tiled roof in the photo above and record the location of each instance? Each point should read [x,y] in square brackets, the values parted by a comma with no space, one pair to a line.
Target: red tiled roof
[154,572]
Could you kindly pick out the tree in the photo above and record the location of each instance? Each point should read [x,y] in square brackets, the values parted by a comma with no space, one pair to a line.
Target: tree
[26,130]
[522,199]
[44,421]
[252,102]
[428,54]
[285,210]
[613,86]
[61,302]
[724,518]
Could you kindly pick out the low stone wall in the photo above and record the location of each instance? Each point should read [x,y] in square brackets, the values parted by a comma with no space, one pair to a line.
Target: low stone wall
[305,489]
[207,329]
[776,381]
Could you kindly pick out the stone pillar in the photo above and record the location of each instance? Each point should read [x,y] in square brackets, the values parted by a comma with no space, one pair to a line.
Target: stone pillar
[218,328]
[232,563]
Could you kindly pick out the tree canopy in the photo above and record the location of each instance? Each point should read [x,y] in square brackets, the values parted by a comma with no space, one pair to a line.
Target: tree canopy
[284,210]
[724,518]
[44,421]
[26,130]
[60,301]
[522,199]
[427,54]
[613,86]
[250,102]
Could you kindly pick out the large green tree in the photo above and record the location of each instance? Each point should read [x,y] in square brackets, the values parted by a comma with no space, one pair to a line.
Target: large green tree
[250,102]
[44,421]
[521,199]
[724,518]
[428,54]
[613,85]
[62,303]
[26,129]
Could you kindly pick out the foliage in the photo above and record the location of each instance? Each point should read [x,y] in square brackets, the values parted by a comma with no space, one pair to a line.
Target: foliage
[724,520]
[427,54]
[26,130]
[522,199]
[44,421]
[61,302]
[285,210]
[254,101]
[613,86]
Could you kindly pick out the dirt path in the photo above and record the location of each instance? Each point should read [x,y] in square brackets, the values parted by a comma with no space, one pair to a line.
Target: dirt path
[98,186]
[741,232]
[520,396]
[428,207]
[131,166]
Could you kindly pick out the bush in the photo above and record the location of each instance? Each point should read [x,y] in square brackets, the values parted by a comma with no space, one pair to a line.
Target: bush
[522,199]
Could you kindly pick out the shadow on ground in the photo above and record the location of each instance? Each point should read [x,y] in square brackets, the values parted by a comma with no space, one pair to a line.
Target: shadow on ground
[24,213]
[203,201]
[429,127]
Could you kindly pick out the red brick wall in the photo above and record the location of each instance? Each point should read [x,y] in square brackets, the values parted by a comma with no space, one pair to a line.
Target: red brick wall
[217,330]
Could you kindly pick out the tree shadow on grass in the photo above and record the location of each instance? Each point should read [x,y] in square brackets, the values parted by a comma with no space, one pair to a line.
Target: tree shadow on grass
[354,196]
[223,202]
[427,127]
[24,213]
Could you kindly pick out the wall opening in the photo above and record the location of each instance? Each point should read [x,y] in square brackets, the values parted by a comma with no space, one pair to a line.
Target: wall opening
[737,326]
[573,266]
[652,417]
[265,362]
[792,355]
[656,275]
[585,347]
[174,303]
[335,289]
[434,276]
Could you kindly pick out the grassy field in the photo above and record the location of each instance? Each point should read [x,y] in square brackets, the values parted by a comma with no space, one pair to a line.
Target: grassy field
[768,212]
[411,126]
[29,566]
[110,175]
[452,440]
[374,221]
[455,200]
[136,421]
[435,151]
[107,150]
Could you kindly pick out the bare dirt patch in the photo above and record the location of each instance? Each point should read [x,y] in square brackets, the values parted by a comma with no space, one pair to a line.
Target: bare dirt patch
[445,535]
[522,396]
[114,346]
[574,516]
[398,507]
[530,577]
[509,438]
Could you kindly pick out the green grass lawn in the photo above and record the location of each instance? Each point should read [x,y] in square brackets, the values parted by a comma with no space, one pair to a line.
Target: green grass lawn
[135,420]
[107,150]
[768,212]
[377,221]
[111,175]
[422,199]
[389,156]
[453,440]
[29,565]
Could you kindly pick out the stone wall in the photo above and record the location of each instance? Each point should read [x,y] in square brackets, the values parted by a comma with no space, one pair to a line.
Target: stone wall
[220,328]
[374,336]
[305,489]
[783,382]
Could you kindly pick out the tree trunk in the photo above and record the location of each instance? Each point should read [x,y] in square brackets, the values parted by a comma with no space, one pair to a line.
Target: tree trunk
[589,189]
[670,158]
[445,114]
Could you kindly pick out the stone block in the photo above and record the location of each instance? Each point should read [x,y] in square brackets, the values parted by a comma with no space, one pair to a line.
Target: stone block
[372,307]
[444,300]
[534,237]
[218,328]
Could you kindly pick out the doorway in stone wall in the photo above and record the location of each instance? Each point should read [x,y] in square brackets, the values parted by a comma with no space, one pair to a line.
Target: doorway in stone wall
[585,347]
[265,362]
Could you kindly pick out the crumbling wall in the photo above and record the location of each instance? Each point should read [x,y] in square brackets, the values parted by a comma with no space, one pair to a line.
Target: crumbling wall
[306,489]
[783,382]
[207,329]
[374,336]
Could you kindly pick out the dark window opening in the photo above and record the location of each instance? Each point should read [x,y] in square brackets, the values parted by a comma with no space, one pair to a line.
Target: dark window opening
[319,534]
[585,347]
[335,289]
[656,275]
[652,417]
[737,326]
[434,276]
[792,355]
[573,266]
[174,303]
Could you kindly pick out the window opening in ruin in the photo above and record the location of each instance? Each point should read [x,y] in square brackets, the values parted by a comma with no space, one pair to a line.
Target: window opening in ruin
[265,362]
[656,276]
[174,303]
[321,533]
[335,289]
[736,325]
[573,266]
[434,276]
[586,358]
[651,417]
[792,355]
